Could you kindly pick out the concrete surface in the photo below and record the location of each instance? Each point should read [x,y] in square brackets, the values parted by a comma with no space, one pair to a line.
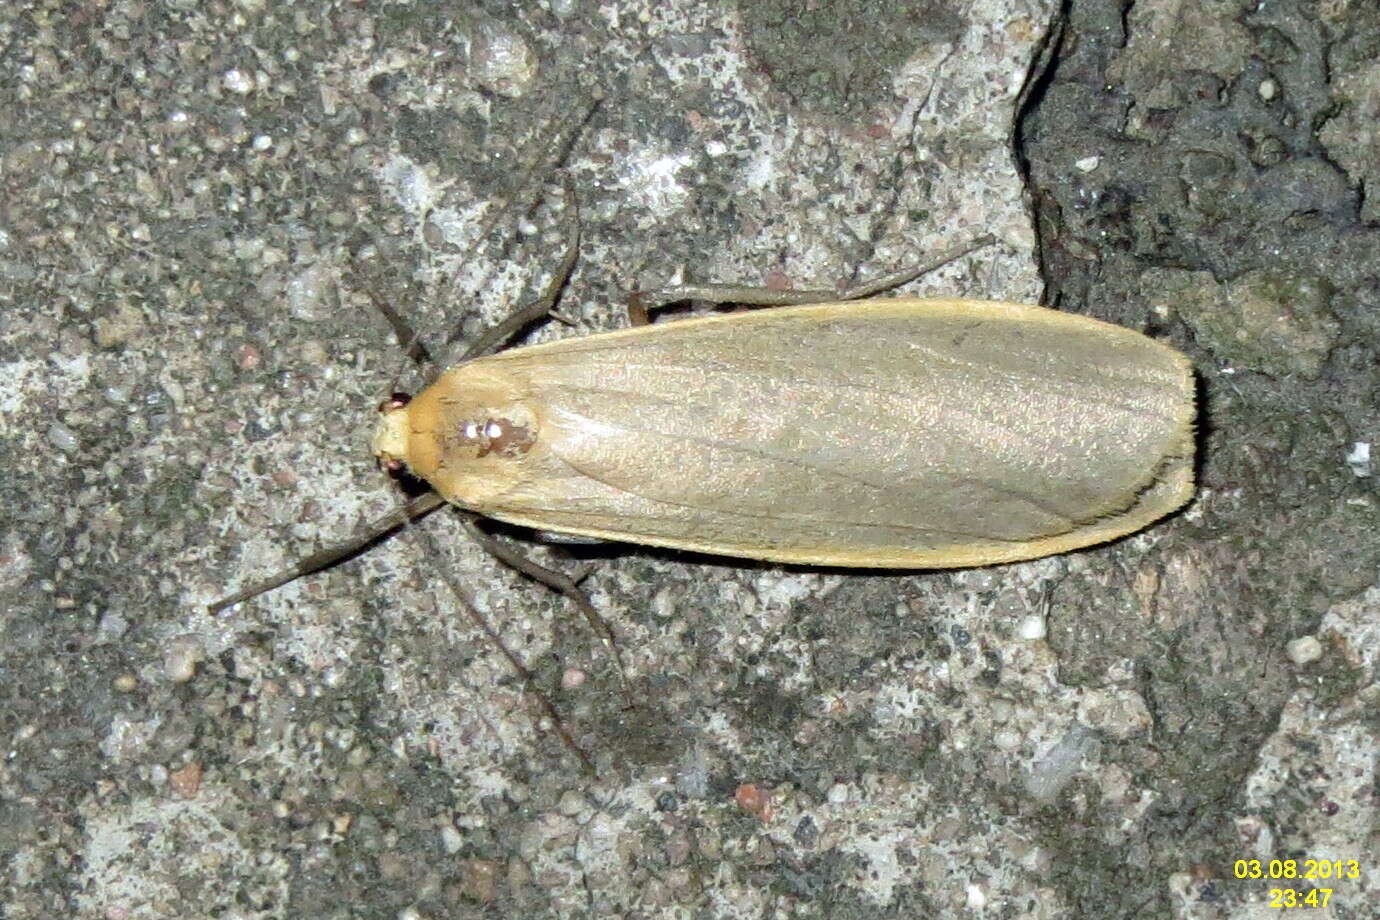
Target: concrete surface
[198,200]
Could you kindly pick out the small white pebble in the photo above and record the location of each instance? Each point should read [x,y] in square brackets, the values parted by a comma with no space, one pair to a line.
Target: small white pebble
[664,604]
[307,292]
[571,803]
[180,658]
[1006,741]
[1181,884]
[1087,164]
[1052,771]
[111,627]
[1358,458]
[237,81]
[1268,89]
[1032,627]
[838,793]
[501,61]
[1304,650]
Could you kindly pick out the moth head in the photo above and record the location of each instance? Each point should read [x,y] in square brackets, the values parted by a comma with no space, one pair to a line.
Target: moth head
[392,433]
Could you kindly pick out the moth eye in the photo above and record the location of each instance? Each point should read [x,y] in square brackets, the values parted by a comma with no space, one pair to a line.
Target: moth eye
[395,401]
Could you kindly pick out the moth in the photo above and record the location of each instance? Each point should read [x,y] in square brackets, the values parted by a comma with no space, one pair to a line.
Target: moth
[883,433]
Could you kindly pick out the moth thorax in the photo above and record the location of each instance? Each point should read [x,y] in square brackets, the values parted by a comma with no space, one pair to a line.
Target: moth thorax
[509,434]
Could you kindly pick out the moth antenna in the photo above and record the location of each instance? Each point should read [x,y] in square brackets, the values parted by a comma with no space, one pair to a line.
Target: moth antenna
[898,278]
[544,305]
[412,342]
[549,157]
[373,532]
[544,156]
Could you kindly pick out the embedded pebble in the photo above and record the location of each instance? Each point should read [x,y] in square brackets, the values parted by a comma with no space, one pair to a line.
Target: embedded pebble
[120,327]
[1116,714]
[1304,650]
[186,782]
[1358,458]
[237,81]
[501,61]
[571,803]
[1052,772]
[181,657]
[62,438]
[479,879]
[111,627]
[306,292]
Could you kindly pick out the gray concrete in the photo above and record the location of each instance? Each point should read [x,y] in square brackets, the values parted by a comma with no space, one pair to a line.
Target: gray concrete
[197,201]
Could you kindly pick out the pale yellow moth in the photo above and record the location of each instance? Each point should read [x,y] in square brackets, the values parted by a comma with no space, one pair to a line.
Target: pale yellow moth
[885,433]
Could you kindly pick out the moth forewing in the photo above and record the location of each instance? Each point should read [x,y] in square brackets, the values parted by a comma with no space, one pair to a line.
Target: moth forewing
[896,433]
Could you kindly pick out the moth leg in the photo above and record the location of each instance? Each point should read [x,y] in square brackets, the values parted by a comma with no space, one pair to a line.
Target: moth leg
[556,581]
[375,531]
[638,312]
[748,296]
[544,305]
[528,678]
